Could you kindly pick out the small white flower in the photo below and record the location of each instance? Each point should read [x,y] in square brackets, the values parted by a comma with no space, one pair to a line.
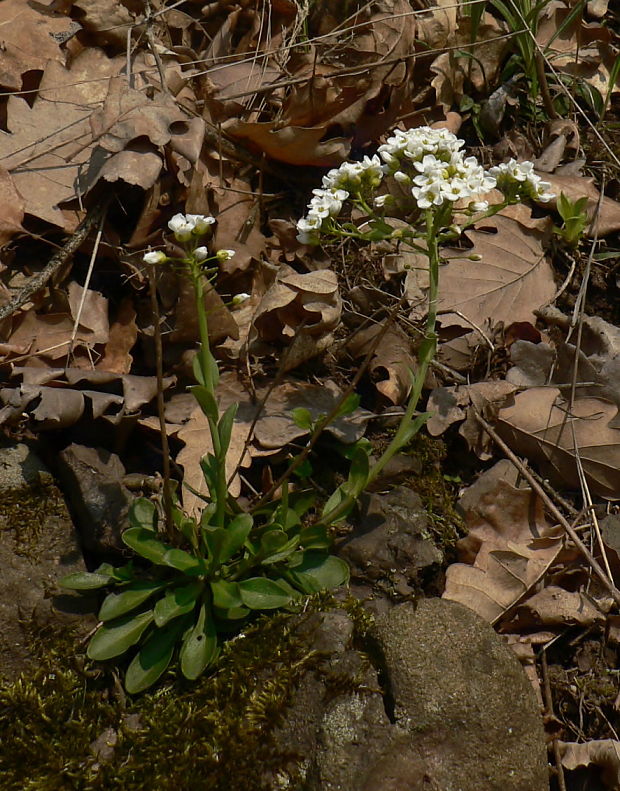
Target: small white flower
[224,255]
[478,205]
[383,200]
[201,254]
[239,299]
[201,223]
[181,228]
[156,257]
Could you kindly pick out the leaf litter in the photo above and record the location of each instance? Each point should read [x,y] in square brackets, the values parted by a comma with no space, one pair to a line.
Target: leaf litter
[246,116]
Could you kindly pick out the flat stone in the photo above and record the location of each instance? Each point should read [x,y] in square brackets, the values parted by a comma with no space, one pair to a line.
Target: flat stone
[465,715]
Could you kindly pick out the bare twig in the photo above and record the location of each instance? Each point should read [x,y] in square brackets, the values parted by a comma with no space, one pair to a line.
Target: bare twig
[551,507]
[57,261]
[549,708]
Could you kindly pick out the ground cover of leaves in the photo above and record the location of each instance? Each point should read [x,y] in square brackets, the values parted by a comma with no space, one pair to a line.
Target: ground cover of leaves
[141,110]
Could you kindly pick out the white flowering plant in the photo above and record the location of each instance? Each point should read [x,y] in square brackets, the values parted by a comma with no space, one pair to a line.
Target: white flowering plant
[423,175]
[206,579]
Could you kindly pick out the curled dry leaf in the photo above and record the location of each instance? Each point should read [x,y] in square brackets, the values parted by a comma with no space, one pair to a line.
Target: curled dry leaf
[449,405]
[393,355]
[603,753]
[512,279]
[310,301]
[509,547]
[554,606]
[541,426]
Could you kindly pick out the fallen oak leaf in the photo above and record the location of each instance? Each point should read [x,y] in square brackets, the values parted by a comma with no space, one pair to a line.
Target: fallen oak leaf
[509,547]
[511,280]
[603,753]
[540,426]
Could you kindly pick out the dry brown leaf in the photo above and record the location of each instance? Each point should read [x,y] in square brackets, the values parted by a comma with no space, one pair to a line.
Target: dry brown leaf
[607,217]
[538,426]
[448,405]
[90,309]
[47,148]
[393,355]
[510,544]
[30,39]
[603,753]
[294,145]
[554,606]
[107,21]
[122,338]
[298,302]
[11,208]
[513,279]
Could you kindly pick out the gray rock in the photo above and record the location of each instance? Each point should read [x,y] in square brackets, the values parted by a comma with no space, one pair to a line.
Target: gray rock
[93,482]
[465,715]
[38,544]
[392,543]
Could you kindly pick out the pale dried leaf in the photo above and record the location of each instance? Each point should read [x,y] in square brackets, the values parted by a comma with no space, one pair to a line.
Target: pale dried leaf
[510,545]
[122,338]
[29,40]
[513,279]
[539,426]
[603,753]
[554,606]
[11,208]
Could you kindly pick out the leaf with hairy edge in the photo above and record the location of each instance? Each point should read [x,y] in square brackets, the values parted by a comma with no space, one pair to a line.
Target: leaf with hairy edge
[143,514]
[178,601]
[113,639]
[260,593]
[154,657]
[319,572]
[144,543]
[200,647]
[86,581]
[117,604]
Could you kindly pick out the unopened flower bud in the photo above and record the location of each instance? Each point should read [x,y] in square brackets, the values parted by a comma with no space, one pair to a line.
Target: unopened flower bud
[224,255]
[156,257]
[239,299]
[475,257]
[456,229]
[201,254]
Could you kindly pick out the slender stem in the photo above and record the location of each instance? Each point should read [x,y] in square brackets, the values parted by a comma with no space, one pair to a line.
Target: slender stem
[425,357]
[208,369]
[159,366]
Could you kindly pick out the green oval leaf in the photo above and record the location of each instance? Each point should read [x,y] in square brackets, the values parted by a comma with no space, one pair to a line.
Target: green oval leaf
[177,601]
[200,647]
[144,543]
[260,593]
[115,638]
[302,418]
[153,658]
[184,561]
[226,594]
[143,514]
[117,604]
[86,581]
[319,572]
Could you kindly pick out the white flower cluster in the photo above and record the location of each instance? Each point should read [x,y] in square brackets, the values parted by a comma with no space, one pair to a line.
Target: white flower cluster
[184,226]
[337,186]
[432,163]
[519,181]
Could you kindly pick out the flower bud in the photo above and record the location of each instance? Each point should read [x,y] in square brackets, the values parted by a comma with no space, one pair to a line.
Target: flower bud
[156,257]
[201,254]
[224,255]
[239,299]
[474,257]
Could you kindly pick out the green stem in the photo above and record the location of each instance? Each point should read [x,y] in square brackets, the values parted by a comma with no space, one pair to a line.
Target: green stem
[208,369]
[407,427]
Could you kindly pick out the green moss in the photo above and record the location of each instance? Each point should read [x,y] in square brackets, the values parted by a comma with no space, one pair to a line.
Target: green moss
[437,493]
[217,733]
[26,510]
